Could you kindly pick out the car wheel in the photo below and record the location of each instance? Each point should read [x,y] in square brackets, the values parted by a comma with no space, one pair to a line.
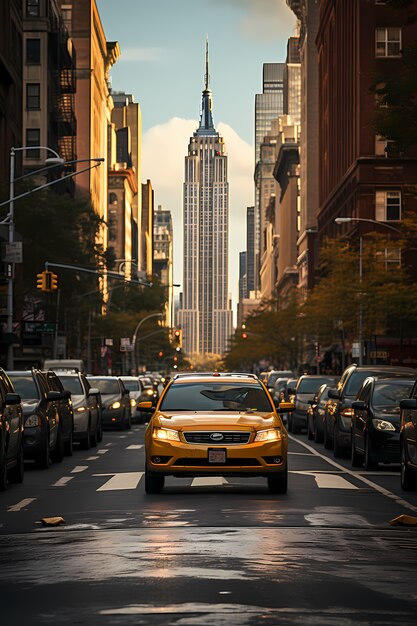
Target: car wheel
[69,445]
[93,437]
[328,441]
[3,469]
[128,422]
[16,473]
[338,450]
[153,484]
[86,441]
[57,453]
[43,460]
[370,459]
[356,459]
[310,433]
[99,431]
[408,476]
[278,483]
[318,435]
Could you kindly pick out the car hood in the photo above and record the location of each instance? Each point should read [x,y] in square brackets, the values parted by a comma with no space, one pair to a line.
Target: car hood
[389,413]
[186,420]
[29,406]
[109,398]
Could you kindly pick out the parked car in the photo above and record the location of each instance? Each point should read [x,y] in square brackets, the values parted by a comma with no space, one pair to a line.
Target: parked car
[307,386]
[11,433]
[115,401]
[315,413]
[43,438]
[279,386]
[338,414]
[86,401]
[138,393]
[375,430]
[65,409]
[149,388]
[408,440]
[273,375]
[216,424]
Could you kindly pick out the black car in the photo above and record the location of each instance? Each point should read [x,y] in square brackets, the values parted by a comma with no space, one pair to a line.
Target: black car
[11,433]
[307,386]
[408,441]
[86,404]
[43,438]
[115,401]
[66,411]
[375,431]
[338,414]
[315,413]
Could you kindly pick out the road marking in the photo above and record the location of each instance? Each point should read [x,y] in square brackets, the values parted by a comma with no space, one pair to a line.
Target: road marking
[102,451]
[358,476]
[214,481]
[117,482]
[62,481]
[109,444]
[300,453]
[20,505]
[92,458]
[329,481]
[134,446]
[79,468]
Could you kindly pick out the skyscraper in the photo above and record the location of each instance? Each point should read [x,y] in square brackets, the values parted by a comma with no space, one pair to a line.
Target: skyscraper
[206,317]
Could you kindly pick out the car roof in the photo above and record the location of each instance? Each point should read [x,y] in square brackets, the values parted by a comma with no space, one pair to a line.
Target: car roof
[386,368]
[215,377]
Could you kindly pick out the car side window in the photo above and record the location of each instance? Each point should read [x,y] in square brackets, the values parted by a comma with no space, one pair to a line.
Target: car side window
[365,393]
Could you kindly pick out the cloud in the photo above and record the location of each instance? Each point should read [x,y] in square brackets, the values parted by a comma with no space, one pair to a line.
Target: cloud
[164,148]
[263,19]
[141,54]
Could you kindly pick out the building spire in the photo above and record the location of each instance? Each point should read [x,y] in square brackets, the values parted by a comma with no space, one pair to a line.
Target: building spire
[206,126]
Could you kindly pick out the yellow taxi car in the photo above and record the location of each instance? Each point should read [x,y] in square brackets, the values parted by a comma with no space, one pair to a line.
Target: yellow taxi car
[216,424]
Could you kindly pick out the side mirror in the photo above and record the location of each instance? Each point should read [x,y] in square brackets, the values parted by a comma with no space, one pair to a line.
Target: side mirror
[410,403]
[65,394]
[12,398]
[93,391]
[333,394]
[359,405]
[146,406]
[53,395]
[286,407]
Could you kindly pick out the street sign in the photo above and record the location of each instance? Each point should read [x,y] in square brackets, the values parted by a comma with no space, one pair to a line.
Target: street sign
[125,345]
[12,252]
[356,349]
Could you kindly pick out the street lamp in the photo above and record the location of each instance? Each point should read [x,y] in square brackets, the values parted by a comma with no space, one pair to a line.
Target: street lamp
[134,355]
[346,220]
[50,162]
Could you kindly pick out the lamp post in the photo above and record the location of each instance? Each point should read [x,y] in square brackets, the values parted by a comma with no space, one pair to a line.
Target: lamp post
[346,220]
[135,357]
[51,161]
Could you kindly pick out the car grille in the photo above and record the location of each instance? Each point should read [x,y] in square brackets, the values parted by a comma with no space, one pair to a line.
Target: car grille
[228,437]
[193,462]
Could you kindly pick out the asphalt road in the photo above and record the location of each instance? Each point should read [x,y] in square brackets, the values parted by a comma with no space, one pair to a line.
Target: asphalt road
[206,551]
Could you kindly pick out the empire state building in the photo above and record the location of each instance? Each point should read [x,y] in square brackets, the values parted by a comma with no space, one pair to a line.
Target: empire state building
[205,316]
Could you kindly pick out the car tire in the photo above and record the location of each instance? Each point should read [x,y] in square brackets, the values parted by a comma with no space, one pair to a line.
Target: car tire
[408,476]
[57,453]
[370,461]
[278,483]
[121,424]
[3,469]
[93,437]
[356,459]
[86,441]
[99,431]
[327,440]
[69,445]
[318,435]
[17,472]
[153,483]
[310,433]
[43,460]
[128,422]
[338,450]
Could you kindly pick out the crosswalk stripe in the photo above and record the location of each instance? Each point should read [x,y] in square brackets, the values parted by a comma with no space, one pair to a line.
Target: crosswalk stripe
[79,468]
[134,446]
[121,481]
[92,458]
[102,451]
[209,481]
[20,505]
[62,481]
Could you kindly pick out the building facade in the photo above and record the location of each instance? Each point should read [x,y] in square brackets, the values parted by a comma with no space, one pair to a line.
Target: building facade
[163,247]
[206,317]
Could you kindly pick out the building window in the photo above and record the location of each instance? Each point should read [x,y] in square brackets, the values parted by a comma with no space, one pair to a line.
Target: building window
[33,51]
[388,42]
[390,257]
[387,206]
[32,8]
[385,147]
[33,138]
[33,96]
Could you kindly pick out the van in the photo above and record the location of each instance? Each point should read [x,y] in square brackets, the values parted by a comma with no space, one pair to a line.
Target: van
[64,365]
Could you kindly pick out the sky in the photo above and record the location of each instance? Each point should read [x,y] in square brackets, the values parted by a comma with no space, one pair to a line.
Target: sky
[162,64]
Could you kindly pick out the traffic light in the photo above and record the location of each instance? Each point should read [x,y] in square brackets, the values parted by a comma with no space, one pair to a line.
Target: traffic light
[46,281]
[54,282]
[160,354]
[178,338]
[40,281]
[244,335]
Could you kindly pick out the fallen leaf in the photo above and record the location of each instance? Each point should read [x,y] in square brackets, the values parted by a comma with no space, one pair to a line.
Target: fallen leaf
[52,521]
[404,520]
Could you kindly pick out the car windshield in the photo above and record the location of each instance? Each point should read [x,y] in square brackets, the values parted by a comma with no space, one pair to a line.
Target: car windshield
[215,397]
[24,386]
[131,385]
[105,385]
[72,384]
[355,382]
[389,393]
[310,385]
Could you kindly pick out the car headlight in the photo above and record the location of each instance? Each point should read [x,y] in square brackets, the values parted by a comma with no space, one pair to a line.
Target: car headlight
[272,434]
[32,420]
[132,402]
[149,392]
[165,434]
[382,424]
[81,409]
[115,405]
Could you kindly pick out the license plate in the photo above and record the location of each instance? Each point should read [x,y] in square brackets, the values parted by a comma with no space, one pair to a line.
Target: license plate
[216,456]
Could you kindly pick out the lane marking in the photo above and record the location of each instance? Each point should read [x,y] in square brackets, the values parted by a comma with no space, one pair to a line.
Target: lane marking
[102,451]
[109,444]
[135,446]
[20,505]
[122,481]
[62,481]
[203,481]
[370,483]
[329,481]
[79,468]
[300,453]
[92,458]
